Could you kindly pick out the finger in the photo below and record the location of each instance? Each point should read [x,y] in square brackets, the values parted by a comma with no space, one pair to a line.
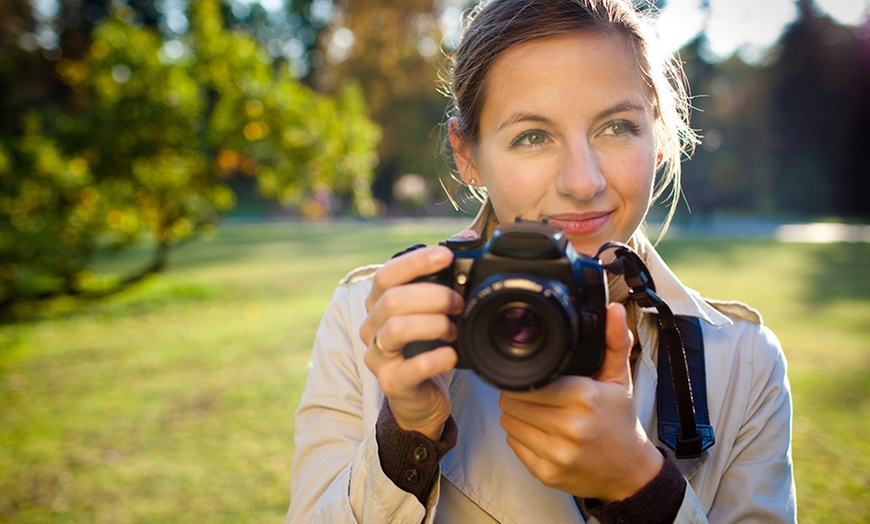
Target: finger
[560,412]
[618,342]
[466,234]
[398,331]
[381,350]
[569,390]
[407,267]
[542,454]
[522,436]
[532,414]
[414,301]
[402,377]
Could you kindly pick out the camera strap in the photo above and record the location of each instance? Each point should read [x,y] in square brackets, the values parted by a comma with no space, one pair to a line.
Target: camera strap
[684,422]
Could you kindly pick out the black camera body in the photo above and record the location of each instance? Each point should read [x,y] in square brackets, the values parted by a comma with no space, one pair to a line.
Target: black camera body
[535,308]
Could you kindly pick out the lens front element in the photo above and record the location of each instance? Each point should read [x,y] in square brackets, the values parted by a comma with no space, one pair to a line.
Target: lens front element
[518,330]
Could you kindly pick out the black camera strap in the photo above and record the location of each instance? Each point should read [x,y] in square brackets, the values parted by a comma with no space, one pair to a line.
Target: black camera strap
[684,422]
[669,424]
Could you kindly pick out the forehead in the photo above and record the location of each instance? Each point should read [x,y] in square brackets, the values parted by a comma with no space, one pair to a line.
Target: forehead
[576,70]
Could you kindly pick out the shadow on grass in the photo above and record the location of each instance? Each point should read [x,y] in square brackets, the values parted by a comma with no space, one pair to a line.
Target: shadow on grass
[836,271]
[842,272]
[238,242]
[245,259]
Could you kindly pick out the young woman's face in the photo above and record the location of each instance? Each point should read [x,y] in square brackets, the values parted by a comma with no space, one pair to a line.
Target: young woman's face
[566,134]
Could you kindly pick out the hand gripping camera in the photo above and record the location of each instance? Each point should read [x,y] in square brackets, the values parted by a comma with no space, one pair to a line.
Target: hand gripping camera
[534,307]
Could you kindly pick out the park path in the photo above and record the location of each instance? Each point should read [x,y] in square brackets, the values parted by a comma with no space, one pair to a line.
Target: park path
[813,232]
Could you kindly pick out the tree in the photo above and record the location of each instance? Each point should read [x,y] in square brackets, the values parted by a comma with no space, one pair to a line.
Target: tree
[25,74]
[163,126]
[393,49]
[732,167]
[818,95]
[785,135]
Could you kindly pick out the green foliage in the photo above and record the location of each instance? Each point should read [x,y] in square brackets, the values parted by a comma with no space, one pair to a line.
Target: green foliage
[173,402]
[164,124]
[395,55]
[786,135]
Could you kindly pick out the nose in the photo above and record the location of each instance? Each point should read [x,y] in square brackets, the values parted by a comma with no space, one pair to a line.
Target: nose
[580,176]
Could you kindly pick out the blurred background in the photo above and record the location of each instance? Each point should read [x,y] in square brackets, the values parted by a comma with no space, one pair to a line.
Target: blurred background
[129,119]
[183,182]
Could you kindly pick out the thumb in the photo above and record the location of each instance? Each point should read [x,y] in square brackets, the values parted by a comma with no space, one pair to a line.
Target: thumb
[618,341]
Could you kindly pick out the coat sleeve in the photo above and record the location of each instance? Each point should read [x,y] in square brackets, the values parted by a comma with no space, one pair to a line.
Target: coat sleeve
[758,481]
[751,477]
[336,475]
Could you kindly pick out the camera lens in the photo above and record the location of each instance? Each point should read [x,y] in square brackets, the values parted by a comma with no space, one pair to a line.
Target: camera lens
[518,330]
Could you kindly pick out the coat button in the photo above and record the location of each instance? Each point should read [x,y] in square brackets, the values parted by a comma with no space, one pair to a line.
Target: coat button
[411,476]
[421,454]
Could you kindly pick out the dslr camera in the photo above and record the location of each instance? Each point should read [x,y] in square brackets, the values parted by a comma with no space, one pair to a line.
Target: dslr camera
[534,307]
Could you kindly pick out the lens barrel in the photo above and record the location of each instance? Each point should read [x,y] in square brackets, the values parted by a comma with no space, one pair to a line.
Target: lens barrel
[518,332]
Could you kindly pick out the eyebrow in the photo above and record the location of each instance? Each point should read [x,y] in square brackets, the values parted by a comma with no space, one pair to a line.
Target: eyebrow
[523,117]
[532,117]
[619,108]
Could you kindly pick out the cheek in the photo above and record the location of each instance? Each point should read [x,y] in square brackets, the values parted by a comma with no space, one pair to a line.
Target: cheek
[513,186]
[509,197]
[633,177]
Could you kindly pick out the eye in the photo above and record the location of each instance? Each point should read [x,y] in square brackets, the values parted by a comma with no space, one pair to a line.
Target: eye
[532,137]
[621,127]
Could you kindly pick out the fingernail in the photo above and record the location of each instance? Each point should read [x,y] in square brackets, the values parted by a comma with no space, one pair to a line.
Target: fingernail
[465,234]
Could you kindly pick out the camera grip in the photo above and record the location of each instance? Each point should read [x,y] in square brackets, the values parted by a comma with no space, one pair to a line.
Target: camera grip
[415,348]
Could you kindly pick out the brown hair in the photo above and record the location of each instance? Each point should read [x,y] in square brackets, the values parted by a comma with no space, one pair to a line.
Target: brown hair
[498,25]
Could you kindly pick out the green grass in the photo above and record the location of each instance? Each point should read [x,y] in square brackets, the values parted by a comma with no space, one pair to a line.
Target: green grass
[816,298]
[175,401]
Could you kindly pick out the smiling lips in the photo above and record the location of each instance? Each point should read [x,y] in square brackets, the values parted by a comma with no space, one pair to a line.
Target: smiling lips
[581,223]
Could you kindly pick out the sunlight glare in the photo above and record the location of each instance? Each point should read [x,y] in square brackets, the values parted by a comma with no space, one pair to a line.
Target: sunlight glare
[847,12]
[747,27]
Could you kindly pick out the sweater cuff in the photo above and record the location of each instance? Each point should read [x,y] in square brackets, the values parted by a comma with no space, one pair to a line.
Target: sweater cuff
[658,501]
[409,458]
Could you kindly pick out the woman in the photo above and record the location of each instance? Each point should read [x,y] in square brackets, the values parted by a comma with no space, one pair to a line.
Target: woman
[563,111]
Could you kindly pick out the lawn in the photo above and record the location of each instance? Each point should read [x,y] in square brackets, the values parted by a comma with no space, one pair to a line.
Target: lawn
[174,402]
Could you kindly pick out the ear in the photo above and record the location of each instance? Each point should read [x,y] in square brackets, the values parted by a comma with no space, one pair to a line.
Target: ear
[462,153]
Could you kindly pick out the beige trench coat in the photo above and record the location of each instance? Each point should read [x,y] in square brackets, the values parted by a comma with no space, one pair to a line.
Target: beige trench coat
[745,477]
